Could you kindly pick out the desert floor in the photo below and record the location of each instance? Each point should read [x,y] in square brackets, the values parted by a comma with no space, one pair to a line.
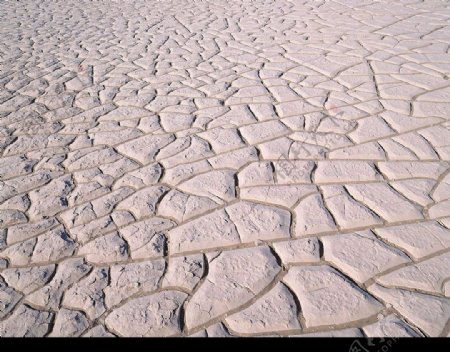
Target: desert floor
[225,168]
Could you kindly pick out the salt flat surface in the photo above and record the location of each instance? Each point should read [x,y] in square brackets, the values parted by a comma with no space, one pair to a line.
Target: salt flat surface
[224,168]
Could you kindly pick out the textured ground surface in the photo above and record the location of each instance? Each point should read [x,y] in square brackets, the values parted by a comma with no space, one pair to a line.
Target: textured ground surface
[216,168]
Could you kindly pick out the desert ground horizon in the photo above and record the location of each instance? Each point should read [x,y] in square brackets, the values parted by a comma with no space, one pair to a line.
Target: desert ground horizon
[225,168]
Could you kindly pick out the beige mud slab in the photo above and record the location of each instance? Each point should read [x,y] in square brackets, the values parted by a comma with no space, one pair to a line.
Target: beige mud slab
[224,168]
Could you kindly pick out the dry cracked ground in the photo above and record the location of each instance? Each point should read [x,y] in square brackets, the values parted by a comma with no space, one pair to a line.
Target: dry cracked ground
[225,168]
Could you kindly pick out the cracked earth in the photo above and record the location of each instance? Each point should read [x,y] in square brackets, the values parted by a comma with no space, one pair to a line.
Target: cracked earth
[225,168]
